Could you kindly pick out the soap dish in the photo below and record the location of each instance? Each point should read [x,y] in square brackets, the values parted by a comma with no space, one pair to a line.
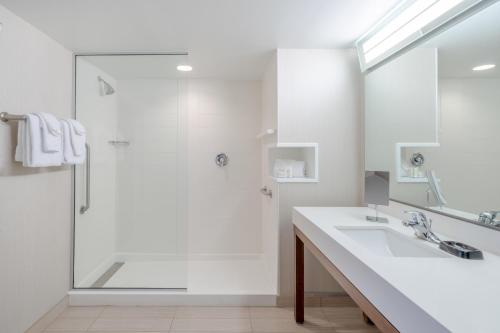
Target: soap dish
[461,250]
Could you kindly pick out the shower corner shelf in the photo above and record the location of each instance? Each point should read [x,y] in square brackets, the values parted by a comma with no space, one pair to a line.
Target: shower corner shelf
[302,151]
[401,175]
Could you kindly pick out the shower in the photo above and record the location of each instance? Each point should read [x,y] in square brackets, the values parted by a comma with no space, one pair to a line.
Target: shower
[106,88]
[159,220]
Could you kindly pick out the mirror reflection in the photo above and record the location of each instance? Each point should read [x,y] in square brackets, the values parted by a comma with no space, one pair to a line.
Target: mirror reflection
[432,120]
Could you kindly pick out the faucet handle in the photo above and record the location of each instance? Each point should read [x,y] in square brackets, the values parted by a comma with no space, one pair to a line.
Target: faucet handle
[415,215]
[413,219]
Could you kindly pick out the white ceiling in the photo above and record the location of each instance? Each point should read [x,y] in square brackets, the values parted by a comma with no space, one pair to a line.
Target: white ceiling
[123,67]
[473,42]
[225,38]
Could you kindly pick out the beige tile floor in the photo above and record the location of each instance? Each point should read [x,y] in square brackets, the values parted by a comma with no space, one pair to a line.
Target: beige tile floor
[208,320]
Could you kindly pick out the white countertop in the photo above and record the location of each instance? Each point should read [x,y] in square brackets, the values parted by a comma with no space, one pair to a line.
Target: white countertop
[424,295]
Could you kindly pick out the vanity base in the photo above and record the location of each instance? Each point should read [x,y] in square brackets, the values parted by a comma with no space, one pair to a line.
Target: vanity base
[369,310]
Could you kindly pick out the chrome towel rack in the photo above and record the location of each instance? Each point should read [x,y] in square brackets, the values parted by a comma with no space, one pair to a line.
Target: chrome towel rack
[5,117]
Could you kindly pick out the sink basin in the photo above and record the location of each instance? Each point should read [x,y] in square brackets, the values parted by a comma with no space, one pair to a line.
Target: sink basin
[387,242]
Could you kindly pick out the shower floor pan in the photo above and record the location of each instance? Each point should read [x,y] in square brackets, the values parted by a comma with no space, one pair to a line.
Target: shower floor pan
[205,282]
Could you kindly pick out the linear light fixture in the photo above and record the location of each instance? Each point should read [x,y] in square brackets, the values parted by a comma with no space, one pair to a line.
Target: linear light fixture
[407,22]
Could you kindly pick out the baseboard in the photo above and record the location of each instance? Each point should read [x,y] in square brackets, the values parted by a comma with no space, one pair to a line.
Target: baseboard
[137,256]
[41,324]
[319,299]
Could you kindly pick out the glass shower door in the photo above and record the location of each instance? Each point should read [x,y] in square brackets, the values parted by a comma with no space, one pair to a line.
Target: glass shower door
[133,234]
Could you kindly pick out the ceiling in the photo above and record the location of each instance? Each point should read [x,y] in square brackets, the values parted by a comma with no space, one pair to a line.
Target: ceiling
[125,67]
[473,42]
[225,38]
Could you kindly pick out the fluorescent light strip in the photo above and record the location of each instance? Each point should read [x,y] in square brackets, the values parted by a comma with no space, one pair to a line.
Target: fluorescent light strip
[407,15]
[414,25]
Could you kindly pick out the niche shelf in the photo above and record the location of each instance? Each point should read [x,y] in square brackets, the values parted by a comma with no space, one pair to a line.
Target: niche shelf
[402,156]
[304,151]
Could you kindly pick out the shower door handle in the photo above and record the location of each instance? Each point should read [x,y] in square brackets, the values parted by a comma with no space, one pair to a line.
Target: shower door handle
[86,207]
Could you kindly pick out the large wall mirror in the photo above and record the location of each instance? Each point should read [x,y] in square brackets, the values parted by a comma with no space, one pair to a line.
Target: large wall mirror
[433,120]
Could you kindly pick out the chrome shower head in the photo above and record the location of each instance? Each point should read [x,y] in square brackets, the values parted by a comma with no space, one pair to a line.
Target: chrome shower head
[106,88]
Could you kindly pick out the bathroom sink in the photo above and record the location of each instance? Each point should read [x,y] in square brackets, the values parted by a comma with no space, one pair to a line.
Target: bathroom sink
[387,242]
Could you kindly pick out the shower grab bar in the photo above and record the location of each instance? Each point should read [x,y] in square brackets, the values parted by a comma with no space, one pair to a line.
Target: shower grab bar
[86,207]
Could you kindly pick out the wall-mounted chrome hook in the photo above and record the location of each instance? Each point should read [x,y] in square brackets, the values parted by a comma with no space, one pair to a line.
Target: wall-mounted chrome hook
[221,160]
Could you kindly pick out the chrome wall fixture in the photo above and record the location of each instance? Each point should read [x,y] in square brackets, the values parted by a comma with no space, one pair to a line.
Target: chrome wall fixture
[417,159]
[221,160]
[5,117]
[119,142]
[267,192]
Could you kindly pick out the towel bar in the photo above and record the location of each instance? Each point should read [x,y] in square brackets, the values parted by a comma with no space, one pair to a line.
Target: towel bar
[5,117]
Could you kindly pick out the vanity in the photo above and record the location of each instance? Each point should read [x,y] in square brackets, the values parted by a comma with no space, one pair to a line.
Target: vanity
[402,283]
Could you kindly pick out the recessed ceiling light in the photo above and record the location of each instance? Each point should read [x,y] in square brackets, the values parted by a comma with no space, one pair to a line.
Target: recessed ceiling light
[484,67]
[184,68]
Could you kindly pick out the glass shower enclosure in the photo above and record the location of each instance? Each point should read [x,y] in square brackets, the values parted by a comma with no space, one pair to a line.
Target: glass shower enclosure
[130,205]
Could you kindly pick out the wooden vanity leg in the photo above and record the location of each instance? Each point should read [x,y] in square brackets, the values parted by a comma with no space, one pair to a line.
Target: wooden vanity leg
[299,280]
[367,320]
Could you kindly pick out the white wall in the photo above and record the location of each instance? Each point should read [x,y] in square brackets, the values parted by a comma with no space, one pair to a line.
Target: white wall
[319,100]
[224,214]
[35,217]
[147,193]
[269,218]
[95,230]
[401,106]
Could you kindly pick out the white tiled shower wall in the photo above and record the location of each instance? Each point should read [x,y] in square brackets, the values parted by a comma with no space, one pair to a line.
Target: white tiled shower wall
[224,203]
[157,185]
[147,169]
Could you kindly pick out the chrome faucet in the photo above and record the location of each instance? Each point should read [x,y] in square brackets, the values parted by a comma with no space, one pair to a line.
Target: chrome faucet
[489,217]
[422,226]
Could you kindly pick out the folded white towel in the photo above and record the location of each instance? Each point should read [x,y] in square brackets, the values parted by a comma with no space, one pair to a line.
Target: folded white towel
[289,169]
[69,157]
[21,135]
[30,150]
[51,132]
[77,136]
[283,168]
